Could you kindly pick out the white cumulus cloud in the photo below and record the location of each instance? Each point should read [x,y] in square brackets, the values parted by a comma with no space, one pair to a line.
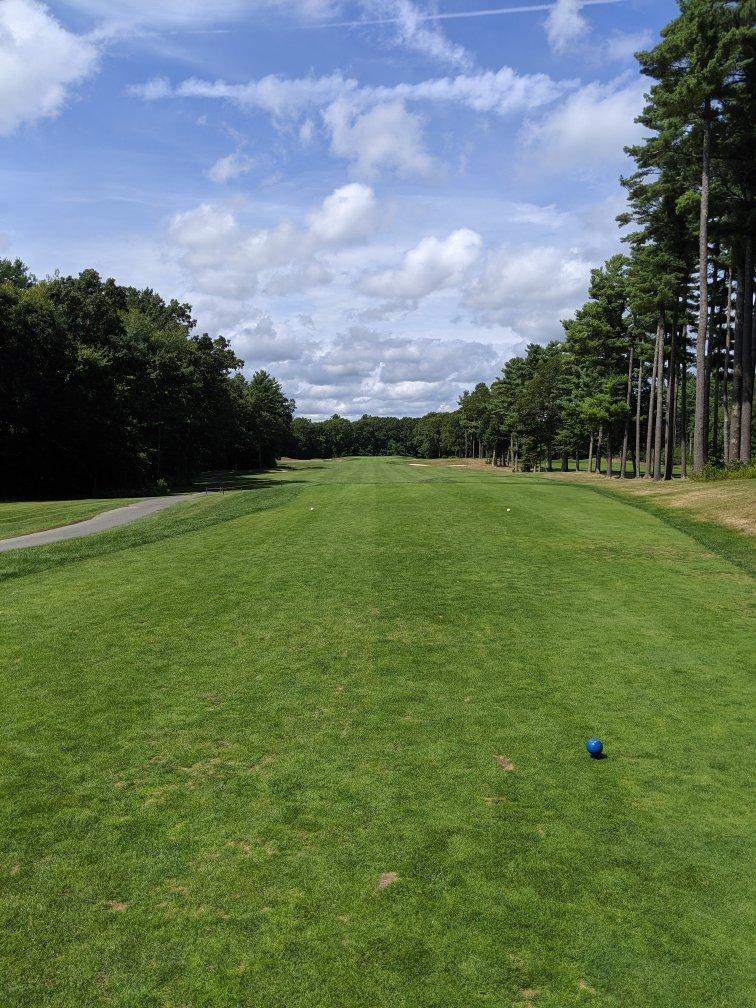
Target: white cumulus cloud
[347,215]
[432,265]
[565,25]
[386,136]
[363,370]
[529,288]
[40,63]
[225,259]
[591,126]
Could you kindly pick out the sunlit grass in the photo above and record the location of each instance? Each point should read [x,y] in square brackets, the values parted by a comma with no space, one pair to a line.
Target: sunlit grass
[249,754]
[19,518]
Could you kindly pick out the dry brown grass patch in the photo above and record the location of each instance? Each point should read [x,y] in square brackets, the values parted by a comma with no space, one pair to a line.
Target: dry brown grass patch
[386,879]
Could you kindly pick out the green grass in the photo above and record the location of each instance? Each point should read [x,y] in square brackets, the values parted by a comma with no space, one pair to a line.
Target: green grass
[700,523]
[35,516]
[223,723]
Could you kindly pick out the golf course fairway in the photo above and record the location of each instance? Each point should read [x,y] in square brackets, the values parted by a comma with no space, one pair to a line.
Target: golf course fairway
[320,743]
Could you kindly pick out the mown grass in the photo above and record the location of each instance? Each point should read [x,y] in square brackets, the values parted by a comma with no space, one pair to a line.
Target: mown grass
[203,512]
[719,516]
[224,724]
[19,518]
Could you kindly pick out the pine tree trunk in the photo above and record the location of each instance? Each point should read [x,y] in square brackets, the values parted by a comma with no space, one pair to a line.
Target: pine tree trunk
[590,454]
[636,472]
[628,397]
[707,382]
[746,408]
[684,412]
[658,417]
[699,423]
[650,422]
[726,373]
[598,448]
[609,455]
[737,364]
[669,458]
[710,350]
[715,410]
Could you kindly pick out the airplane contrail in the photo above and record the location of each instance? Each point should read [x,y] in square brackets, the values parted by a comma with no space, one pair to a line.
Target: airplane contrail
[452,15]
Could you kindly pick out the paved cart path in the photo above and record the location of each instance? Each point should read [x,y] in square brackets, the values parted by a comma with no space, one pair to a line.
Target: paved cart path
[99,523]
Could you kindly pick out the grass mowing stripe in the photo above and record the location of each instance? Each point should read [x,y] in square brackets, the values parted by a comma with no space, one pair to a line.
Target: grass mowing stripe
[36,516]
[193,516]
[737,549]
[216,744]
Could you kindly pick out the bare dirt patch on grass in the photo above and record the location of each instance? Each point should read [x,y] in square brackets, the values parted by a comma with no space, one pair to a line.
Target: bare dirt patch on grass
[386,879]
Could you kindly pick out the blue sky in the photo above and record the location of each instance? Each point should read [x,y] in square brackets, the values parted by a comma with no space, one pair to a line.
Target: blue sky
[377,202]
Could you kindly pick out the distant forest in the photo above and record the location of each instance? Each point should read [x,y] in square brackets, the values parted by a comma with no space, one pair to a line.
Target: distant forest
[107,388]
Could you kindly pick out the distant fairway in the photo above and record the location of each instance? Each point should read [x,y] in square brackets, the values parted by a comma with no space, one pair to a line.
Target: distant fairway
[225,723]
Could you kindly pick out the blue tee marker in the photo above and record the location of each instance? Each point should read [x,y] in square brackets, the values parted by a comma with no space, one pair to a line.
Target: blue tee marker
[594,746]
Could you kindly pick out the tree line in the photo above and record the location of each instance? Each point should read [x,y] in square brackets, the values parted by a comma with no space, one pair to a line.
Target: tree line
[435,435]
[105,388]
[657,367]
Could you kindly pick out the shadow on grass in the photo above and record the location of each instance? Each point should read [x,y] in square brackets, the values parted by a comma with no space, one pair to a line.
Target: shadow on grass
[226,486]
[226,479]
[232,479]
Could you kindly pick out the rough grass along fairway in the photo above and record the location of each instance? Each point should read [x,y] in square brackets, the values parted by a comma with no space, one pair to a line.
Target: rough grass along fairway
[35,516]
[260,755]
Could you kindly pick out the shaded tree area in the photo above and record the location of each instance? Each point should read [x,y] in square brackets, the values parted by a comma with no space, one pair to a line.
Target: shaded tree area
[106,388]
